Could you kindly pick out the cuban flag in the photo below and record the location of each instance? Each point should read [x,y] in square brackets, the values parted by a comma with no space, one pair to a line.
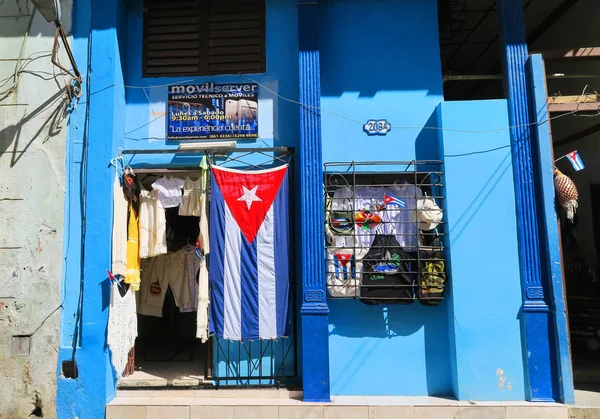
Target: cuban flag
[249,253]
[340,263]
[576,161]
[391,199]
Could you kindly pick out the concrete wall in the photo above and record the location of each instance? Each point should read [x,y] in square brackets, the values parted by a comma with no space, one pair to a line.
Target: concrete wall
[32,169]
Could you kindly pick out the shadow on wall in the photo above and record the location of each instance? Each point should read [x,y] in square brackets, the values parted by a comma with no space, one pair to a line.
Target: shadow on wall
[27,38]
[412,336]
[11,135]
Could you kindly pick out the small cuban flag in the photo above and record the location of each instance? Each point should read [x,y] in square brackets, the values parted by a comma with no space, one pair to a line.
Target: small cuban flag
[391,199]
[576,161]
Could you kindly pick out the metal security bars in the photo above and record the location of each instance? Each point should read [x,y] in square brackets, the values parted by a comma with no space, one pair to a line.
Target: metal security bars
[385,231]
[261,363]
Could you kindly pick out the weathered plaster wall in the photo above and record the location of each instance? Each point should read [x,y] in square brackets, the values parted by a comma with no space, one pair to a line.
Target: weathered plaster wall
[32,186]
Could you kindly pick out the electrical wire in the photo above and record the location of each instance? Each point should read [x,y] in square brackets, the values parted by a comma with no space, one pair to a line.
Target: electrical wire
[476,152]
[4,94]
[320,109]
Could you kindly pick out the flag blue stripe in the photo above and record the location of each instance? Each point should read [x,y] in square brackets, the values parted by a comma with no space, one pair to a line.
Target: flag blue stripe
[216,259]
[249,277]
[282,257]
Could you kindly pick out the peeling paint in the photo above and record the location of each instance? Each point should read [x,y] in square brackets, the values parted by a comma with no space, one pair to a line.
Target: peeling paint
[32,208]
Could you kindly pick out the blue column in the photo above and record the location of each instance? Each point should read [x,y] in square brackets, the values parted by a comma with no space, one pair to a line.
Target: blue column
[314,310]
[549,227]
[96,127]
[537,323]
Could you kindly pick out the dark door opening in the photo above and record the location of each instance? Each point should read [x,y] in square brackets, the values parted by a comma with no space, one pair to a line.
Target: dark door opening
[167,351]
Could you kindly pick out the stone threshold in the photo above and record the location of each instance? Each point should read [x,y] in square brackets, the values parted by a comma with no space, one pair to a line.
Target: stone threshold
[290,397]
[253,404]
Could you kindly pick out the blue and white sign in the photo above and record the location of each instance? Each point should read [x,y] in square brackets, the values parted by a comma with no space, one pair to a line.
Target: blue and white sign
[212,111]
[377,127]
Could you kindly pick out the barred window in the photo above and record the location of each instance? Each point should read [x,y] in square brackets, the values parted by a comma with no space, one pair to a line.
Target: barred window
[203,37]
[385,227]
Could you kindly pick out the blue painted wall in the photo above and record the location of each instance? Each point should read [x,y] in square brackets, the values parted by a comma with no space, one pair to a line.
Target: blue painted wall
[278,117]
[390,69]
[470,345]
[278,126]
[96,129]
[485,298]
[379,59]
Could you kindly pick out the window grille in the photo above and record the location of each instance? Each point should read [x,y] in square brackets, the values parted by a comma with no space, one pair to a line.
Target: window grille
[385,231]
[203,37]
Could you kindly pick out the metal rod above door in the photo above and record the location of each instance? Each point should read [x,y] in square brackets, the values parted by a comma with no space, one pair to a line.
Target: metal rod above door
[220,150]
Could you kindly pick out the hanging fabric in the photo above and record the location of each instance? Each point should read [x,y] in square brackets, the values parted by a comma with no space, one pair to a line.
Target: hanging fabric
[203,250]
[119,230]
[153,225]
[122,325]
[132,275]
[169,191]
[191,201]
[249,243]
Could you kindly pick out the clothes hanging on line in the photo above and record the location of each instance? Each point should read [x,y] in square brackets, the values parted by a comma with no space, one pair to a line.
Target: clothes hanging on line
[192,200]
[132,274]
[344,271]
[384,210]
[153,225]
[174,270]
[202,331]
[387,273]
[119,230]
[191,263]
[122,325]
[169,191]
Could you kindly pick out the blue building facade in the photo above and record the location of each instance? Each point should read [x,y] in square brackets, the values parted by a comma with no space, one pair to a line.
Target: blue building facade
[331,65]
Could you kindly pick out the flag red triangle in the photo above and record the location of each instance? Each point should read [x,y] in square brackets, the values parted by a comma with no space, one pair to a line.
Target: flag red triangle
[249,195]
[344,258]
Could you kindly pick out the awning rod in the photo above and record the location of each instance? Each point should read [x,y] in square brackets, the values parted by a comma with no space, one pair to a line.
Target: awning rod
[212,150]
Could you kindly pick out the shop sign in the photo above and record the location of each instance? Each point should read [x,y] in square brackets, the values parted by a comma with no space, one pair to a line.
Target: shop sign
[212,111]
[377,127]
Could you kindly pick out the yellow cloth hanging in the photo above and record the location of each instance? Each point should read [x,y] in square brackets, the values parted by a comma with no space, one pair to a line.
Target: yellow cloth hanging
[132,275]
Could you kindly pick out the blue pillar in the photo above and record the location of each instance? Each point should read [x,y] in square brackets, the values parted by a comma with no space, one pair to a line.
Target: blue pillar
[536,316]
[314,310]
[549,228]
[96,127]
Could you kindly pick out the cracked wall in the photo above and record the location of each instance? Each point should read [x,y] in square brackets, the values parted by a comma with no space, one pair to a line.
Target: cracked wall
[32,202]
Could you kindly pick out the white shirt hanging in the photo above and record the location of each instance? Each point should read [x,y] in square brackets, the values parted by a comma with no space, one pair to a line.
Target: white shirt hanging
[169,191]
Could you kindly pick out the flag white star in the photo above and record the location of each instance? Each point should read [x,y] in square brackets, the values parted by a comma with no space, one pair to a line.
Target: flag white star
[249,196]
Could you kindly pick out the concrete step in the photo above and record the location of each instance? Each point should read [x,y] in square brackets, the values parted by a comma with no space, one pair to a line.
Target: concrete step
[283,404]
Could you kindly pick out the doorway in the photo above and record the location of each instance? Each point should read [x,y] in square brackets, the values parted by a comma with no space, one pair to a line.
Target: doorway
[167,352]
